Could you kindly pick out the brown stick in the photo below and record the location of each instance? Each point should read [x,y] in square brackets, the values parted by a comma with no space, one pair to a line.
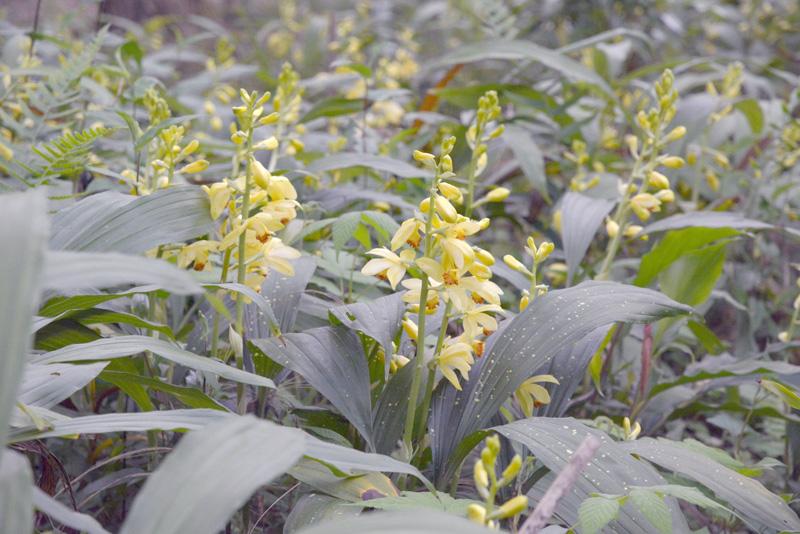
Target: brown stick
[561,485]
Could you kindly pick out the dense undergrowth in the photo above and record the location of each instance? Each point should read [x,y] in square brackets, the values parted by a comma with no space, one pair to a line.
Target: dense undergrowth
[390,267]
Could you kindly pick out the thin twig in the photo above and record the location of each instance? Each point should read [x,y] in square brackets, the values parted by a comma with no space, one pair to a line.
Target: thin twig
[561,485]
[285,493]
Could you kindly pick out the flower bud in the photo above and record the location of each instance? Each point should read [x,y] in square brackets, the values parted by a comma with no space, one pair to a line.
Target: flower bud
[446,163]
[612,228]
[512,507]
[451,192]
[194,167]
[677,133]
[657,180]
[783,337]
[448,144]
[270,143]
[543,251]
[261,176]
[632,230]
[513,468]
[189,149]
[476,513]
[515,264]
[493,444]
[484,256]
[673,162]
[410,328]
[426,158]
[445,209]
[633,145]
[480,476]
[666,196]
[524,300]
[272,118]
[425,205]
[498,194]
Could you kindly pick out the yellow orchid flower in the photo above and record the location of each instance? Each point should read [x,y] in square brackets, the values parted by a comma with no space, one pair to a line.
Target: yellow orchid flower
[530,394]
[388,265]
[218,194]
[455,356]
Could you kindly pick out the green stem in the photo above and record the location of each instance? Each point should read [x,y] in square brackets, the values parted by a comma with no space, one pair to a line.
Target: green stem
[223,278]
[426,401]
[241,268]
[419,362]
[470,204]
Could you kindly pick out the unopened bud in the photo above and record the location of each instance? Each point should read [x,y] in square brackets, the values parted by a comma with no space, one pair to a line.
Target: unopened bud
[514,506]
[675,134]
[498,194]
[196,166]
[515,264]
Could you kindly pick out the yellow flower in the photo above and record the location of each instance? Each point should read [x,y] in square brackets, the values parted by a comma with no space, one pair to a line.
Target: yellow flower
[407,233]
[411,296]
[530,394]
[276,256]
[477,320]
[196,253]
[455,356]
[219,194]
[280,188]
[389,265]
[643,204]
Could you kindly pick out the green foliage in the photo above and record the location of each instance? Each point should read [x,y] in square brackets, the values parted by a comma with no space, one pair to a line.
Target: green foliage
[281,307]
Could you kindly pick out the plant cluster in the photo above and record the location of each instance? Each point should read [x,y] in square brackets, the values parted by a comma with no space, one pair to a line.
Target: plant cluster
[249,278]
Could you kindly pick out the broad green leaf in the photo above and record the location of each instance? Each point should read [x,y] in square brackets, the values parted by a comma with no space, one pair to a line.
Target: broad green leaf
[691,278]
[706,219]
[65,515]
[785,393]
[529,341]
[674,245]
[23,237]
[378,319]
[314,508]
[353,461]
[112,222]
[597,512]
[47,385]
[688,494]
[751,110]
[123,422]
[528,155]
[239,454]
[612,470]
[517,50]
[78,271]
[121,346]
[726,365]
[349,488]
[755,504]
[415,500]
[345,160]
[581,216]
[190,396]
[653,508]
[391,408]
[420,522]
[332,360]
[334,107]
[16,493]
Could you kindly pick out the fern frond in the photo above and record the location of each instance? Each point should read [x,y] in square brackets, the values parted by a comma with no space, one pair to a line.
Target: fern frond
[58,96]
[67,155]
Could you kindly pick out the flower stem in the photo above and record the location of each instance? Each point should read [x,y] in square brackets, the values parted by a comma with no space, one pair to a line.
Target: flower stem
[426,401]
[419,361]
[241,267]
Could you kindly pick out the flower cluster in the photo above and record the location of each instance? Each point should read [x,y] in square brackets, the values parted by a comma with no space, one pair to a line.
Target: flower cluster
[537,255]
[488,484]
[647,188]
[433,247]
[167,151]
[256,203]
